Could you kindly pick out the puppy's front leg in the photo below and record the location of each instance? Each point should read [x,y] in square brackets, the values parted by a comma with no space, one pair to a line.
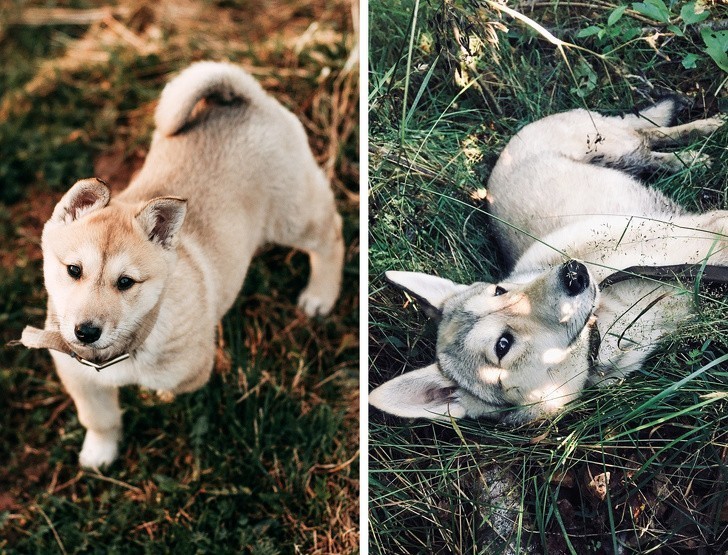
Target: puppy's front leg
[98,411]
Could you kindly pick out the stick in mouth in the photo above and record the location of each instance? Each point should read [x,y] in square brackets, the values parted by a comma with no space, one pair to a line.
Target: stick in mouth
[34,338]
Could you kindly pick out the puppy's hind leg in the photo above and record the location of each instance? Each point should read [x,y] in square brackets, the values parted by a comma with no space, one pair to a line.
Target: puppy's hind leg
[660,137]
[324,243]
[676,161]
[620,143]
[644,160]
[313,225]
[666,137]
[638,150]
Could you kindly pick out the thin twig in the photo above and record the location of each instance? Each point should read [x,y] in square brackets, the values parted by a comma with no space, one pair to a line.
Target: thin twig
[114,481]
[39,17]
[333,468]
[403,162]
[53,529]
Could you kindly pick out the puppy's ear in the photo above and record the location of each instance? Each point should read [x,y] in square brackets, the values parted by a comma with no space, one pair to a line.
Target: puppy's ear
[86,196]
[430,289]
[161,219]
[423,393]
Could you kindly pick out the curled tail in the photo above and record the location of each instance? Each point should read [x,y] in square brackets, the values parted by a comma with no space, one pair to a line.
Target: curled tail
[202,80]
[662,113]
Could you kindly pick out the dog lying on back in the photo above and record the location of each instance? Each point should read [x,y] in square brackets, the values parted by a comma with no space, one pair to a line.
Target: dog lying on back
[144,278]
[568,213]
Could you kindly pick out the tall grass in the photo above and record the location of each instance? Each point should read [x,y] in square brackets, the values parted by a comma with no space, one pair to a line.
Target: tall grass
[638,467]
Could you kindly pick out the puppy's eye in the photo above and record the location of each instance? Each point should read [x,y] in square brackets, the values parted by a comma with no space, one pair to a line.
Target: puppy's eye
[124,283]
[74,271]
[503,345]
[499,290]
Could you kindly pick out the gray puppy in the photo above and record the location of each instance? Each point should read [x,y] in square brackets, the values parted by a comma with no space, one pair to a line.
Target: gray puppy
[568,213]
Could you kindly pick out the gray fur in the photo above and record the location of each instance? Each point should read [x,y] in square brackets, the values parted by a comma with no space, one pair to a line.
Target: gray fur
[560,194]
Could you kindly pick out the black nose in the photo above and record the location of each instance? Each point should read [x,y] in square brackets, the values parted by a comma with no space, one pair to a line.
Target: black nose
[575,277]
[87,332]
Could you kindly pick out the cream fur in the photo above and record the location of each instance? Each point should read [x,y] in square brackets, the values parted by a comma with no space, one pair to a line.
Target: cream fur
[219,181]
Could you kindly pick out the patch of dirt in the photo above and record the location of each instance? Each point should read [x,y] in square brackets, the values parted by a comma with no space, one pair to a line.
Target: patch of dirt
[116,168]
[21,247]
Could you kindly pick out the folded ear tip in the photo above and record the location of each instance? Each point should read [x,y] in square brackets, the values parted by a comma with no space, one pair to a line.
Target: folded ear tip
[84,196]
[375,397]
[92,182]
[164,203]
[395,277]
[96,186]
[174,201]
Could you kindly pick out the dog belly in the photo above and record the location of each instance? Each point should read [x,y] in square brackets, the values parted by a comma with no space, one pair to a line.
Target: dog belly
[557,193]
[607,244]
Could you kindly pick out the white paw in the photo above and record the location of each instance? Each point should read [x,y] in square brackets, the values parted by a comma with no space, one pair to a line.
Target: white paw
[99,448]
[165,396]
[314,303]
[712,124]
[694,158]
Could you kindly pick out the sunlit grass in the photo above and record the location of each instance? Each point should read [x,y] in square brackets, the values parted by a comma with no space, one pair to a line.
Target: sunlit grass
[661,435]
[264,458]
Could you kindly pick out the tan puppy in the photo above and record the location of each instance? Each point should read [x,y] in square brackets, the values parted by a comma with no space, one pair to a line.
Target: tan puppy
[151,272]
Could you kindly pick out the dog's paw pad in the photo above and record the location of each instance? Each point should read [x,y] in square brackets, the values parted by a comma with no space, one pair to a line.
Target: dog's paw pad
[315,305]
[165,396]
[99,449]
[695,158]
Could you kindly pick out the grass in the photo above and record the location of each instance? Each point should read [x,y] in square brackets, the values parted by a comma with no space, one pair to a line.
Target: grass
[264,458]
[444,100]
